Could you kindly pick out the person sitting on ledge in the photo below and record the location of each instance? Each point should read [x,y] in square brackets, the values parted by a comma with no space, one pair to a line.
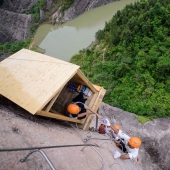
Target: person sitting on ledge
[77,109]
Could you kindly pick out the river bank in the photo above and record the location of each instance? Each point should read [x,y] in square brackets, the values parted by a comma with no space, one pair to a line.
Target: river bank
[77,34]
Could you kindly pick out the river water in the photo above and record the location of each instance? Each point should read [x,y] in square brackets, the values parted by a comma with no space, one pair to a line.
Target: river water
[64,41]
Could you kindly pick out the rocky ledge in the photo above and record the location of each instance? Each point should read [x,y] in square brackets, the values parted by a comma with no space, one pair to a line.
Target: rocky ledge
[13,26]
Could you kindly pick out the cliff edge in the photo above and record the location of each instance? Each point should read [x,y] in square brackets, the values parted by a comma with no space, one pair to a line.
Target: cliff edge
[78,7]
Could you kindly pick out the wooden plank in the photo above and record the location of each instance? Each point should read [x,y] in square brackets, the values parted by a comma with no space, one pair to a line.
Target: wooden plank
[54,111]
[53,100]
[83,77]
[88,122]
[99,99]
[59,116]
[95,102]
[94,98]
[97,87]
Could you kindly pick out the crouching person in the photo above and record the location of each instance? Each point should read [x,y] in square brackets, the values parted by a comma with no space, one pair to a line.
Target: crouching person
[130,145]
[104,126]
[77,109]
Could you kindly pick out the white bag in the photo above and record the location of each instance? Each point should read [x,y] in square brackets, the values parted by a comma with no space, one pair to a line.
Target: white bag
[116,154]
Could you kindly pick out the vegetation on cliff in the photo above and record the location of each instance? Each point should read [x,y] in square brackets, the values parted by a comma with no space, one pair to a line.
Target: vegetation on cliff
[131,59]
[13,47]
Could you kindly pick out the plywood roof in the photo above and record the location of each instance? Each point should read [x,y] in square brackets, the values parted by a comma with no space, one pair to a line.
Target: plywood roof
[31,79]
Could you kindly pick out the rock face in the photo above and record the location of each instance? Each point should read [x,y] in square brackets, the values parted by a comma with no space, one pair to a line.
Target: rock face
[79,7]
[13,26]
[49,4]
[20,129]
[18,6]
[154,152]
[2,57]
[41,16]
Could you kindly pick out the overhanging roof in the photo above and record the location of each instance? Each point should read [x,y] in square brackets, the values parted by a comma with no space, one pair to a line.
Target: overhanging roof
[31,79]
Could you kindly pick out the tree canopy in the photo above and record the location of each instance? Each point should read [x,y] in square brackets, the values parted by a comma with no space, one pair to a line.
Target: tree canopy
[131,59]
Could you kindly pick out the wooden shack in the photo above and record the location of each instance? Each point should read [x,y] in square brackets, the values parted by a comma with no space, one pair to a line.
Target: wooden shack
[39,84]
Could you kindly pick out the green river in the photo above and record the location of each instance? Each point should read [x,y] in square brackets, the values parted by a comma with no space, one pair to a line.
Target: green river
[64,41]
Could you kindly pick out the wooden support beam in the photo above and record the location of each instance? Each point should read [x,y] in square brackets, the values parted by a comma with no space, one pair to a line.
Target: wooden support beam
[95,103]
[88,122]
[88,83]
[99,99]
[59,116]
[53,100]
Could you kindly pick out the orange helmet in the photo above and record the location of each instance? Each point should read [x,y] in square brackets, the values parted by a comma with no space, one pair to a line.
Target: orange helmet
[73,109]
[117,127]
[135,142]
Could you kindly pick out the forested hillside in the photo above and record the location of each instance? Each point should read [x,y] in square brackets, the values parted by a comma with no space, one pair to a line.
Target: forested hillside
[131,59]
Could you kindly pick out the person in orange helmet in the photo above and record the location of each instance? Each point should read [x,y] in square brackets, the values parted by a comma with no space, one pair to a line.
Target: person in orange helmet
[130,145]
[77,109]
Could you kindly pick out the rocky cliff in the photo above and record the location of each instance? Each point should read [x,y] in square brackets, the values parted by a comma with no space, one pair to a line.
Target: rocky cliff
[14,25]
[18,6]
[20,129]
[79,7]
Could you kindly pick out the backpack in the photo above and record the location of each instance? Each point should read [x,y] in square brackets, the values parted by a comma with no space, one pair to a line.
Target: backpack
[101,130]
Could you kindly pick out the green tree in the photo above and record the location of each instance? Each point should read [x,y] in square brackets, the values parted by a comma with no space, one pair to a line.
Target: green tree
[135,68]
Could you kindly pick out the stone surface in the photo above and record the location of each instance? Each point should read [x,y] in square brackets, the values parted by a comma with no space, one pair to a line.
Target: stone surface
[49,4]
[155,135]
[79,7]
[20,129]
[41,16]
[18,6]
[13,26]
